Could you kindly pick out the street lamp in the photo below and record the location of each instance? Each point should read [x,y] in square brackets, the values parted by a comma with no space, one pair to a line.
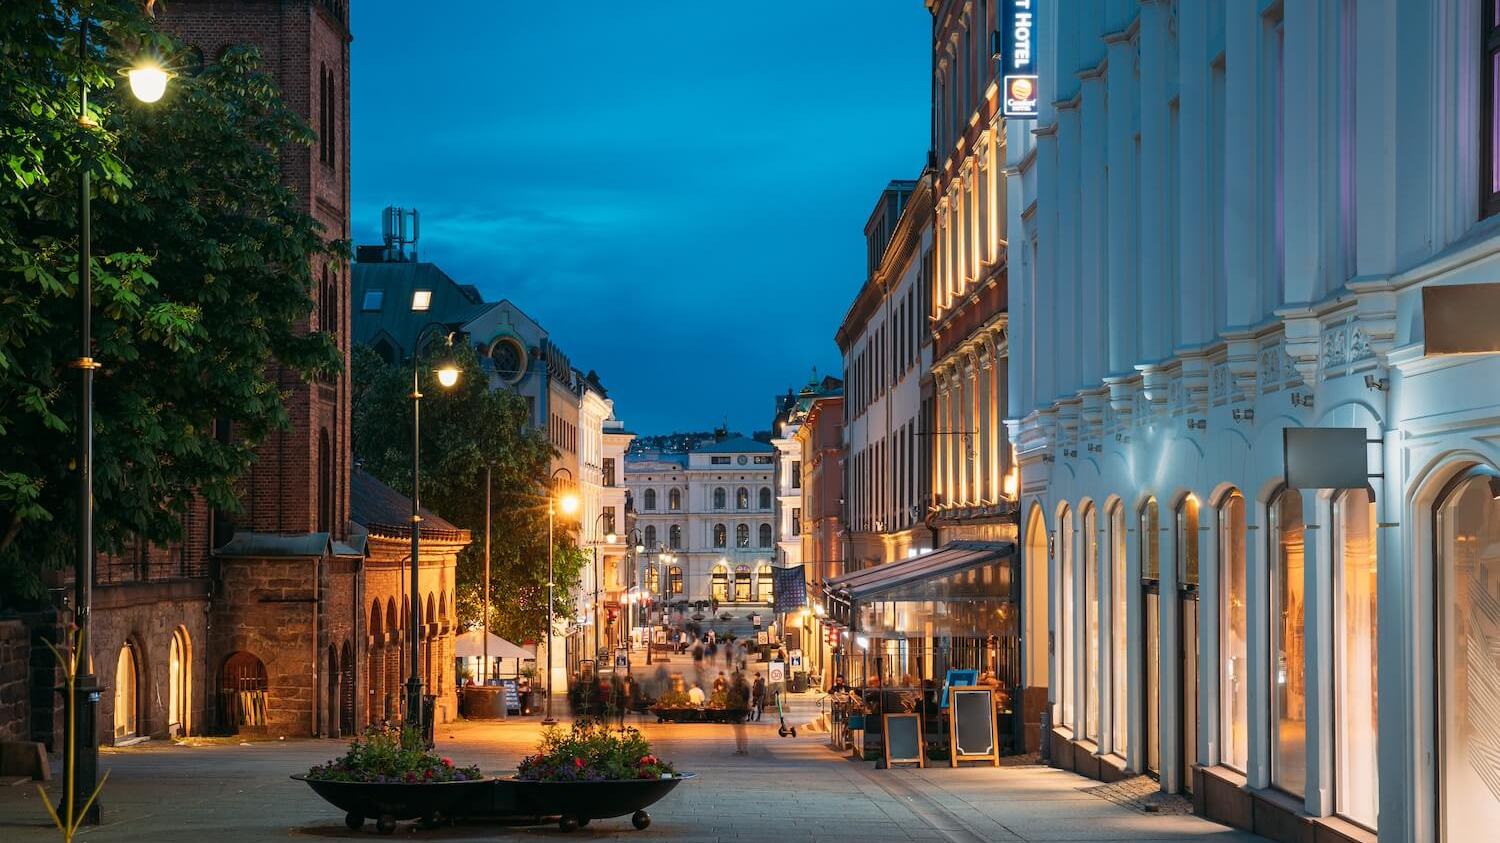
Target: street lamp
[666,559]
[447,375]
[609,538]
[82,735]
[569,505]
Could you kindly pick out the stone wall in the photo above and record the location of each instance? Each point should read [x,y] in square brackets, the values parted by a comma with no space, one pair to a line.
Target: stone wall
[15,685]
[146,618]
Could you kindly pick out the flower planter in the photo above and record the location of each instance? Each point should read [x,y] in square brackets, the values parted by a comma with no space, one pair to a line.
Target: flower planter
[387,802]
[576,803]
[700,715]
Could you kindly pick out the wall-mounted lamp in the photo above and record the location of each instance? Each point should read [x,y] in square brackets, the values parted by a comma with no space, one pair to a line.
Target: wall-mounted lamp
[1377,384]
[1197,424]
[1245,415]
[1300,400]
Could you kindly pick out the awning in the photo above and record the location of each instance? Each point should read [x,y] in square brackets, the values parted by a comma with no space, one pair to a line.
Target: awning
[470,645]
[947,560]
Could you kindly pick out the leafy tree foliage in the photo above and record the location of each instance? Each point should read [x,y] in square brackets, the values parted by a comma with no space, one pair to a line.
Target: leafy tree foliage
[464,429]
[202,282]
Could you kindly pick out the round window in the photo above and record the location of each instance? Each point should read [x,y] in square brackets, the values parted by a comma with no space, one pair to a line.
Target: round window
[509,359]
[743,460]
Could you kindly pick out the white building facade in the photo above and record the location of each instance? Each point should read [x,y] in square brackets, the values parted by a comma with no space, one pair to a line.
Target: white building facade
[707,522]
[1222,225]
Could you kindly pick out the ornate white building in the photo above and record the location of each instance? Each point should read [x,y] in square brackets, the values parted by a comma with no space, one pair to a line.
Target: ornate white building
[1223,225]
[711,510]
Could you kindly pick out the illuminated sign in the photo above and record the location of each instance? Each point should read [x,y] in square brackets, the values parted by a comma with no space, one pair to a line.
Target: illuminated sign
[1018,90]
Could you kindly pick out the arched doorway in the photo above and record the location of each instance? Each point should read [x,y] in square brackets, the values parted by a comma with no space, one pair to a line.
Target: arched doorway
[1187,640]
[332,716]
[1468,637]
[375,667]
[346,689]
[179,684]
[126,694]
[1034,619]
[242,692]
[1150,539]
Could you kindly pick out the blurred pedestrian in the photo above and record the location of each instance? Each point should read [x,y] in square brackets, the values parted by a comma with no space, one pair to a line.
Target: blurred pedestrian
[758,695]
[696,695]
[720,683]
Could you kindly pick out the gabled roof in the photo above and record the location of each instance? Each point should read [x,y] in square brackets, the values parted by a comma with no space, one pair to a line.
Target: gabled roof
[372,503]
[452,303]
[737,445]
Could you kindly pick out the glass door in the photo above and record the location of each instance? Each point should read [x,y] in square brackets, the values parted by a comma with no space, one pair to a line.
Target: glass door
[1187,697]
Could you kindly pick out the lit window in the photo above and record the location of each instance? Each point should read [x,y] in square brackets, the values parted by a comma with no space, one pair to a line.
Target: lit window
[421,300]
[1356,711]
[1288,647]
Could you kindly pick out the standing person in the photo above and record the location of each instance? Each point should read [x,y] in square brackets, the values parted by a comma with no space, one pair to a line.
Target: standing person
[696,695]
[758,695]
[720,683]
[697,655]
[740,690]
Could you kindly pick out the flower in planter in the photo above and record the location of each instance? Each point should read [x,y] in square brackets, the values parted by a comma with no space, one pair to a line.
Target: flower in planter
[392,755]
[591,752]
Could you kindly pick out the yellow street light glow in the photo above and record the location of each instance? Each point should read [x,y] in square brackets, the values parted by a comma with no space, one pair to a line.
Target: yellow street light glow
[610,537]
[447,376]
[569,504]
[148,81]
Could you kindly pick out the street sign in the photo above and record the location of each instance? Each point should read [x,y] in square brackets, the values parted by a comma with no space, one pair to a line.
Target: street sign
[778,672]
[796,658]
[1018,60]
[755,621]
[622,659]
[762,637]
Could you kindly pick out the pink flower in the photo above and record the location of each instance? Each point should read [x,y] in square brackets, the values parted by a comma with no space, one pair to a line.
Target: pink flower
[447,762]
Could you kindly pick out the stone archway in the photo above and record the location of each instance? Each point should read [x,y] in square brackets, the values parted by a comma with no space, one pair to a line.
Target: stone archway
[127,695]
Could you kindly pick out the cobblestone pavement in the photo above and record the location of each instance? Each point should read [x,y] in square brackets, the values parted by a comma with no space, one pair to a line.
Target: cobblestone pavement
[1144,794]
[787,790]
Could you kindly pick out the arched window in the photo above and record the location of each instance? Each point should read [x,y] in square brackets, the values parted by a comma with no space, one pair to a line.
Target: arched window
[242,691]
[1467,539]
[742,583]
[1234,691]
[325,483]
[765,497]
[648,500]
[1356,727]
[1150,538]
[1187,630]
[650,534]
[674,579]
[653,580]
[1067,635]
[720,496]
[179,683]
[674,499]
[742,535]
[721,535]
[1119,666]
[1090,580]
[126,694]
[674,537]
[765,535]
[1288,674]
[742,498]
[766,585]
[719,587]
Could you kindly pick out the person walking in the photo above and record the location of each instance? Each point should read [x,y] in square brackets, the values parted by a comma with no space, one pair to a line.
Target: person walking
[758,695]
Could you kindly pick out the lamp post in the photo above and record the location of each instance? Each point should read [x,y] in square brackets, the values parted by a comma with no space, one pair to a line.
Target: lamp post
[569,504]
[447,376]
[148,81]
[629,611]
[609,538]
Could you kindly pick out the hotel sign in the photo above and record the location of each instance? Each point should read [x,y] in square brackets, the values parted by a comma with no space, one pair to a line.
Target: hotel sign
[1018,44]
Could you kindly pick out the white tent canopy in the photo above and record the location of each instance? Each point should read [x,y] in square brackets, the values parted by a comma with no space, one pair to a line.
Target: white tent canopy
[470,645]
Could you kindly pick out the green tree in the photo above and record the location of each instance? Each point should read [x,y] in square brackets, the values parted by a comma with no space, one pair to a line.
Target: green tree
[464,429]
[202,278]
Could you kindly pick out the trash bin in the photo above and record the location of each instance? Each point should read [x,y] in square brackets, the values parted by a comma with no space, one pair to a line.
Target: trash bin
[799,681]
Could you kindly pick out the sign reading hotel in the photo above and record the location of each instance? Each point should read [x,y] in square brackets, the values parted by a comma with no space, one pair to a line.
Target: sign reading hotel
[1018,58]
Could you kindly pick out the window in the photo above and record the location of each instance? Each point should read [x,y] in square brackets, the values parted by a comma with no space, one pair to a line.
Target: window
[1150,538]
[653,580]
[609,519]
[373,300]
[719,585]
[742,583]
[764,459]
[674,538]
[509,359]
[1090,623]
[765,535]
[742,498]
[1356,725]
[766,585]
[650,536]
[1288,653]
[765,498]
[421,301]
[1120,667]
[1234,703]
[1489,120]
[648,500]
[796,520]
[674,500]
[1067,635]
[718,460]
[1187,631]
[796,474]
[609,473]
[721,536]
[720,498]
[742,535]
[1468,569]
[674,578]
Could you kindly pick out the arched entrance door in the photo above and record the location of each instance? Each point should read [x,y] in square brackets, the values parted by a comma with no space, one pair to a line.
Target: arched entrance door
[179,681]
[333,716]
[1468,635]
[1034,618]
[125,694]
[242,692]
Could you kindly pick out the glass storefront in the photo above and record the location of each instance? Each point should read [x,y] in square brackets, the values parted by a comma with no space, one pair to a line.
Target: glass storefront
[1151,643]
[1187,637]
[1356,693]
[1468,550]
[1119,640]
[1234,692]
[1065,689]
[1288,648]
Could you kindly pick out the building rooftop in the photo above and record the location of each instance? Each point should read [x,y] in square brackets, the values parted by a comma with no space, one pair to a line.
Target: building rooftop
[382,297]
[736,445]
[373,504]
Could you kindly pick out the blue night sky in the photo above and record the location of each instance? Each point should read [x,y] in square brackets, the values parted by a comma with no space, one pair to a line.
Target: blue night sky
[675,189]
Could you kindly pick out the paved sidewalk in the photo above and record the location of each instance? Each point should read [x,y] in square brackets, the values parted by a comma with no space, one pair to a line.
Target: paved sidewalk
[786,791]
